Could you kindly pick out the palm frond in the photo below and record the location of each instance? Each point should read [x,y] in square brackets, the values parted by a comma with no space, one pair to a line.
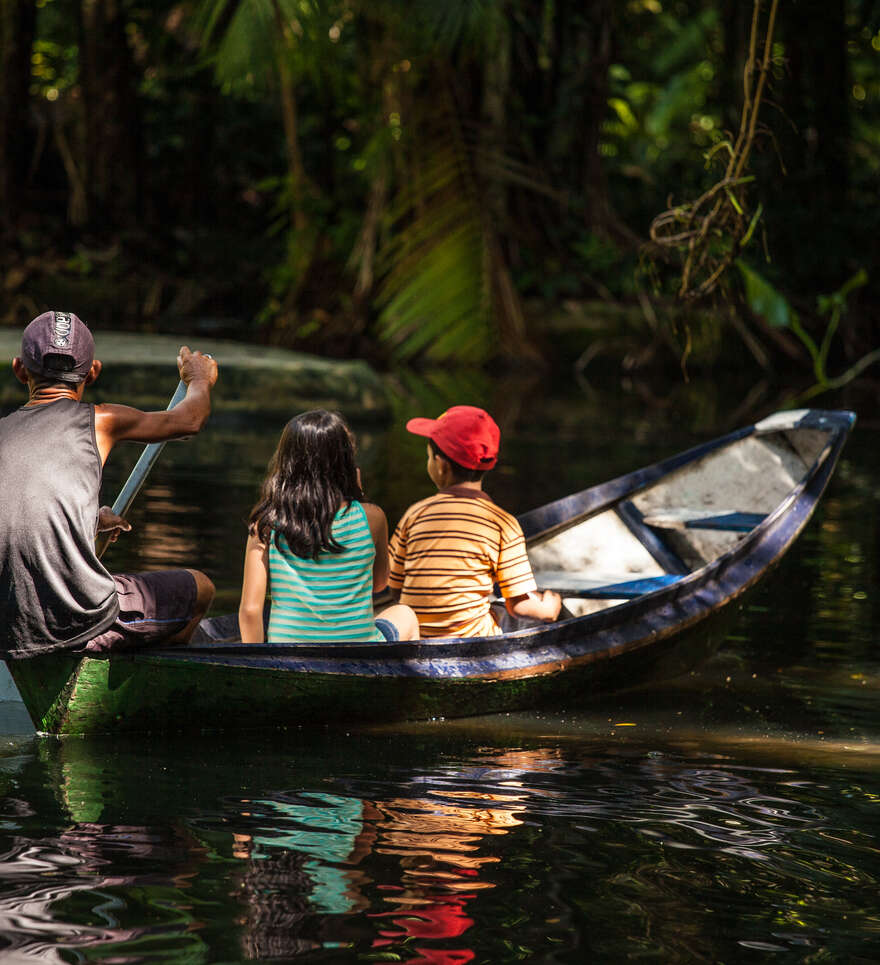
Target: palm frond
[435,297]
[247,41]
[240,35]
[245,54]
[454,23]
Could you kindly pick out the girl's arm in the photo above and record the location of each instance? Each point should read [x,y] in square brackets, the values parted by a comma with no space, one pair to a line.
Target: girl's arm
[253,591]
[379,531]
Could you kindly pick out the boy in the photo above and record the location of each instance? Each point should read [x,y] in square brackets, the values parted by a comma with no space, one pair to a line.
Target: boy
[54,593]
[448,550]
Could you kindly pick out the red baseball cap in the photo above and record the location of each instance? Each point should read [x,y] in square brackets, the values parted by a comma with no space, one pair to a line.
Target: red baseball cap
[468,435]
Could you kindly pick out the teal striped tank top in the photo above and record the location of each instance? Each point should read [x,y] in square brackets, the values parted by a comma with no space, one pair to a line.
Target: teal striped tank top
[329,598]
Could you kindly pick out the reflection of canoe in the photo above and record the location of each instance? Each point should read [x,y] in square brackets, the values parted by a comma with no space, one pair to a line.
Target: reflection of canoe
[643,561]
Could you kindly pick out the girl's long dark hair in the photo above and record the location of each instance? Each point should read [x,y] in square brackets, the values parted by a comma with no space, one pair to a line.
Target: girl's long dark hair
[311,475]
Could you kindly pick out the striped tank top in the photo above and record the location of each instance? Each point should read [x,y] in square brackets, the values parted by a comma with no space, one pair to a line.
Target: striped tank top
[329,598]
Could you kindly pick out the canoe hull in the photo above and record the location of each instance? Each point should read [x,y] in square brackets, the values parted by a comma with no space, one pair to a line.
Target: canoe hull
[163,694]
[219,684]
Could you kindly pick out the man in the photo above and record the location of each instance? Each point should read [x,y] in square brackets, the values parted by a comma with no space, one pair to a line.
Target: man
[54,593]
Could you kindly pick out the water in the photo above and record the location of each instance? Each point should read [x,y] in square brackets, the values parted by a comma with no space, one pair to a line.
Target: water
[730,815]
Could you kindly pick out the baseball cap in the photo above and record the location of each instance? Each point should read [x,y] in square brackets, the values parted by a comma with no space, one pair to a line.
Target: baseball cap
[58,345]
[468,435]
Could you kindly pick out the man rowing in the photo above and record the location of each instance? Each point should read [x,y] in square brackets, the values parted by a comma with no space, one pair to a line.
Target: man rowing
[55,595]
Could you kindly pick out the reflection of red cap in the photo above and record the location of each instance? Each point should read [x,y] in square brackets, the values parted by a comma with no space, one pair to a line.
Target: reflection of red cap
[466,434]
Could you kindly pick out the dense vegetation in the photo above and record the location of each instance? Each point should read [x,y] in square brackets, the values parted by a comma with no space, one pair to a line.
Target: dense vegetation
[451,179]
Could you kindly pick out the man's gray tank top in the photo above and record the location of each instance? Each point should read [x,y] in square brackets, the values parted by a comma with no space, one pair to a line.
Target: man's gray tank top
[54,592]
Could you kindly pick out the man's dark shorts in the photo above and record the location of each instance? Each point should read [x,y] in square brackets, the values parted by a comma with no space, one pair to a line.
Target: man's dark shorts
[152,608]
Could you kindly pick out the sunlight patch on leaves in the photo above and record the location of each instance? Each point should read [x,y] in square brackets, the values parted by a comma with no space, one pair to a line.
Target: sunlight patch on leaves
[435,299]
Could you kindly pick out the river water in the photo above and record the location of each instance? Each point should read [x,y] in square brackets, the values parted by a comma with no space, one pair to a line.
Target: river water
[730,815]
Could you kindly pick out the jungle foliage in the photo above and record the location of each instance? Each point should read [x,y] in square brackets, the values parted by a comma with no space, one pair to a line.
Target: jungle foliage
[439,181]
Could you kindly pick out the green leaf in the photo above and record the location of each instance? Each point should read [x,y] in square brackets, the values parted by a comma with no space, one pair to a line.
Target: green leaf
[686,43]
[624,112]
[764,300]
[837,301]
[756,217]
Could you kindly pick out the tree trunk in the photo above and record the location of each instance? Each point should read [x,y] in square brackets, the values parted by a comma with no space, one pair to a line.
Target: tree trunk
[816,42]
[812,137]
[492,148]
[289,119]
[17,25]
[364,253]
[363,257]
[736,18]
[113,130]
[598,43]
[496,83]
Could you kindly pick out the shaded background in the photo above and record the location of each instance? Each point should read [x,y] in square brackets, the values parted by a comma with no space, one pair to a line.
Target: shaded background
[445,181]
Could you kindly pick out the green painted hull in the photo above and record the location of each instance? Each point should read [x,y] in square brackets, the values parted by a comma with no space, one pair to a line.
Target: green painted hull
[140,692]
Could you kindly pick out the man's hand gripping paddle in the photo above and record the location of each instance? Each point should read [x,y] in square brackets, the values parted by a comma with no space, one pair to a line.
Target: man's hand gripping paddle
[140,472]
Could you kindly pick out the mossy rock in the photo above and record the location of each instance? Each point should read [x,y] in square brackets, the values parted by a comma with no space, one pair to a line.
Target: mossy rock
[141,370]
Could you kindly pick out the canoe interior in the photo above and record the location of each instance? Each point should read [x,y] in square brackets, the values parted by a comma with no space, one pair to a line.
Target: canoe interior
[681,523]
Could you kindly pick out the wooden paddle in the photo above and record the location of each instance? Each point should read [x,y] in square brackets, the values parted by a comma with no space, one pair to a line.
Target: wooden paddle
[141,469]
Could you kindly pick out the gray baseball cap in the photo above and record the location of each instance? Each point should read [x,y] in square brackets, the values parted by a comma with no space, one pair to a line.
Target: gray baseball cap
[58,345]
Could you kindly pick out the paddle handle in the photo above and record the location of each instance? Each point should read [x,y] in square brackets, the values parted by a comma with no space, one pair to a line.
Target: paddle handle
[140,472]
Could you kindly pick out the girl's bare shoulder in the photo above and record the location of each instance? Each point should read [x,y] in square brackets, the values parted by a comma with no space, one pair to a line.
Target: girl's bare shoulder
[373,511]
[376,519]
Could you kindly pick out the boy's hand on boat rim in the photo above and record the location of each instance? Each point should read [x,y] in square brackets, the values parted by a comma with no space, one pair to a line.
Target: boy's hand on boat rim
[194,366]
[551,603]
[109,522]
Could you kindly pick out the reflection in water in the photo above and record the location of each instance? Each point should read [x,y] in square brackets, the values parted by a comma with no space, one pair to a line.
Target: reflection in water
[704,807]
[300,854]
[318,871]
[67,894]
[307,848]
[441,868]
[325,828]
[275,894]
[421,856]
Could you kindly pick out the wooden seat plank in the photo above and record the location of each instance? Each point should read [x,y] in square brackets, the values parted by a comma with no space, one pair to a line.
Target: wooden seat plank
[570,585]
[732,521]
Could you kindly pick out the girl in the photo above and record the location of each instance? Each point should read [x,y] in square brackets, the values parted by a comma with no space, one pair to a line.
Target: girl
[319,550]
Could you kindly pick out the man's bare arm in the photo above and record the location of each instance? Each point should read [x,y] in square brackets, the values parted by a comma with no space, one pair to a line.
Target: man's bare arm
[114,423]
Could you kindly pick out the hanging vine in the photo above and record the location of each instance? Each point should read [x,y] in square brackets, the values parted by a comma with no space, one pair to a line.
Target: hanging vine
[710,232]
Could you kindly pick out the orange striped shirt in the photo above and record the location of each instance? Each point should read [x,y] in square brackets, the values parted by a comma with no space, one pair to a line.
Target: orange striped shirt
[447,553]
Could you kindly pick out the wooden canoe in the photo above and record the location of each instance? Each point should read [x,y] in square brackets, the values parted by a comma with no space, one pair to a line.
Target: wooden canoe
[648,563]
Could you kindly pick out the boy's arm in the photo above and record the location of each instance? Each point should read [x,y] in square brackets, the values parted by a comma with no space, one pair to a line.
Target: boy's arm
[541,606]
[253,591]
[522,598]
[114,423]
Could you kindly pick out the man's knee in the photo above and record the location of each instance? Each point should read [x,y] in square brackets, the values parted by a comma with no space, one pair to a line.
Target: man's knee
[204,592]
